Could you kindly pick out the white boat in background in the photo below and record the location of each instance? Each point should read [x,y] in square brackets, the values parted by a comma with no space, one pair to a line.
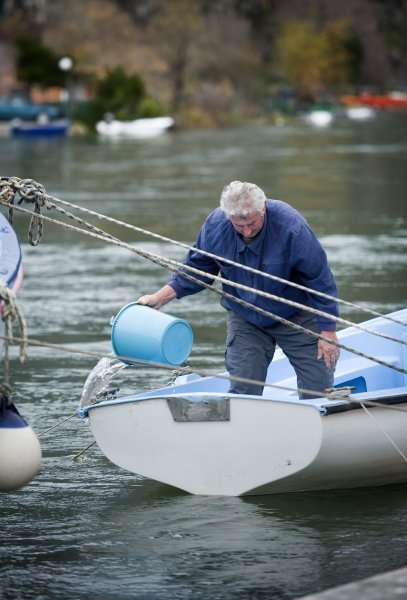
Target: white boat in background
[319,118]
[139,128]
[360,113]
[197,437]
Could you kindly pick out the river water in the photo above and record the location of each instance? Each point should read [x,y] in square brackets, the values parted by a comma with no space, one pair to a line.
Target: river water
[87,529]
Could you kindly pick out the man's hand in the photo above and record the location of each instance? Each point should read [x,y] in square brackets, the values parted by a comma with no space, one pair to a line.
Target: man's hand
[327,351]
[157,300]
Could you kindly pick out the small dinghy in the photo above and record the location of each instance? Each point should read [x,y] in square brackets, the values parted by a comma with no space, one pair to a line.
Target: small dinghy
[40,129]
[360,113]
[196,436]
[139,128]
[319,118]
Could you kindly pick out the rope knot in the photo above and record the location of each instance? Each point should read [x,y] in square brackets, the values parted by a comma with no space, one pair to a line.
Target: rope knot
[15,189]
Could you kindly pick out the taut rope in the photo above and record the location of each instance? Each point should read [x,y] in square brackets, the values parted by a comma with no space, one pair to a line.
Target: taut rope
[333,394]
[10,187]
[10,311]
[179,268]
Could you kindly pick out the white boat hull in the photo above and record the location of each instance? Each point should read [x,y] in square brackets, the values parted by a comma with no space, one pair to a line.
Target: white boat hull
[319,118]
[139,128]
[199,438]
[267,447]
[360,113]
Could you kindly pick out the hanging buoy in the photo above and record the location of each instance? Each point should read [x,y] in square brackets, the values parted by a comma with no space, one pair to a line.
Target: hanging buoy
[20,450]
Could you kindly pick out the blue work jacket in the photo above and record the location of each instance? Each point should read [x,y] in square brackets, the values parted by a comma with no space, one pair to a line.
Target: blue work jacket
[286,247]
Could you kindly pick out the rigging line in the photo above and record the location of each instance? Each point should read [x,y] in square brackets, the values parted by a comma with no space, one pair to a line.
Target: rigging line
[33,193]
[225,260]
[56,425]
[292,325]
[203,373]
[167,263]
[162,261]
[44,196]
[404,457]
[269,296]
[148,363]
[76,456]
[312,310]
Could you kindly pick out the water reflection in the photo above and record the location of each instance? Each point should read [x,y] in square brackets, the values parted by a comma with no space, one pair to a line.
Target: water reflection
[165,543]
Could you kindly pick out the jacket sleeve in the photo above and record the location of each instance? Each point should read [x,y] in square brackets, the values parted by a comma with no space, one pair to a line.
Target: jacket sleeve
[184,287]
[310,265]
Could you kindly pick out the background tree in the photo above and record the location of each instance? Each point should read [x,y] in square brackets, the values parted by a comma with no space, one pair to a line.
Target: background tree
[310,59]
[226,68]
[100,37]
[119,94]
[37,64]
[174,30]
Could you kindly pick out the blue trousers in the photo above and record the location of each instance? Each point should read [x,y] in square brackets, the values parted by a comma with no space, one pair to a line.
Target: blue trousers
[249,351]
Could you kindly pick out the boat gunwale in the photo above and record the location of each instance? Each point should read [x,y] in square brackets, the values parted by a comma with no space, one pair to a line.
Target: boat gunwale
[324,406]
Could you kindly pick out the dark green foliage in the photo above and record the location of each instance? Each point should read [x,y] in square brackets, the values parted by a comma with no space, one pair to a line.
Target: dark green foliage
[38,64]
[120,94]
[354,48]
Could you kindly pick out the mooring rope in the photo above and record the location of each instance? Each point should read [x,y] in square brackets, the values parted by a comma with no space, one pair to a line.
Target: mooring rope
[218,278]
[10,311]
[387,435]
[182,370]
[41,200]
[179,268]
[13,185]
[331,394]
[229,262]
[164,261]
[61,422]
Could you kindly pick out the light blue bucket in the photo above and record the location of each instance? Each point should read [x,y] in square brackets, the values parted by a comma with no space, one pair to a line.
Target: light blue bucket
[143,333]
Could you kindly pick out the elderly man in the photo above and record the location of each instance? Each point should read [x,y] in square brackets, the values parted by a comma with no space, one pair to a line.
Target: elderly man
[272,237]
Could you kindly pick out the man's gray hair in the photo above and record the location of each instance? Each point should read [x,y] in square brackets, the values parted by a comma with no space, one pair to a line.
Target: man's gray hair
[239,199]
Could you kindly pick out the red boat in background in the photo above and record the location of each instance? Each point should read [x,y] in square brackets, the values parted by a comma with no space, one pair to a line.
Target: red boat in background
[385,101]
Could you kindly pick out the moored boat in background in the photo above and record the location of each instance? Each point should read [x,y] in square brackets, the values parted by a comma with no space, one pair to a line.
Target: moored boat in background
[319,117]
[39,129]
[360,113]
[393,100]
[139,128]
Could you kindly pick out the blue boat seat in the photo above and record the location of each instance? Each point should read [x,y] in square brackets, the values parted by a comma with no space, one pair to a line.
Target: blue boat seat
[369,376]
[359,383]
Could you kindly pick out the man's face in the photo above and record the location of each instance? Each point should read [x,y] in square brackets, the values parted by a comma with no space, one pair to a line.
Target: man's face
[250,225]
